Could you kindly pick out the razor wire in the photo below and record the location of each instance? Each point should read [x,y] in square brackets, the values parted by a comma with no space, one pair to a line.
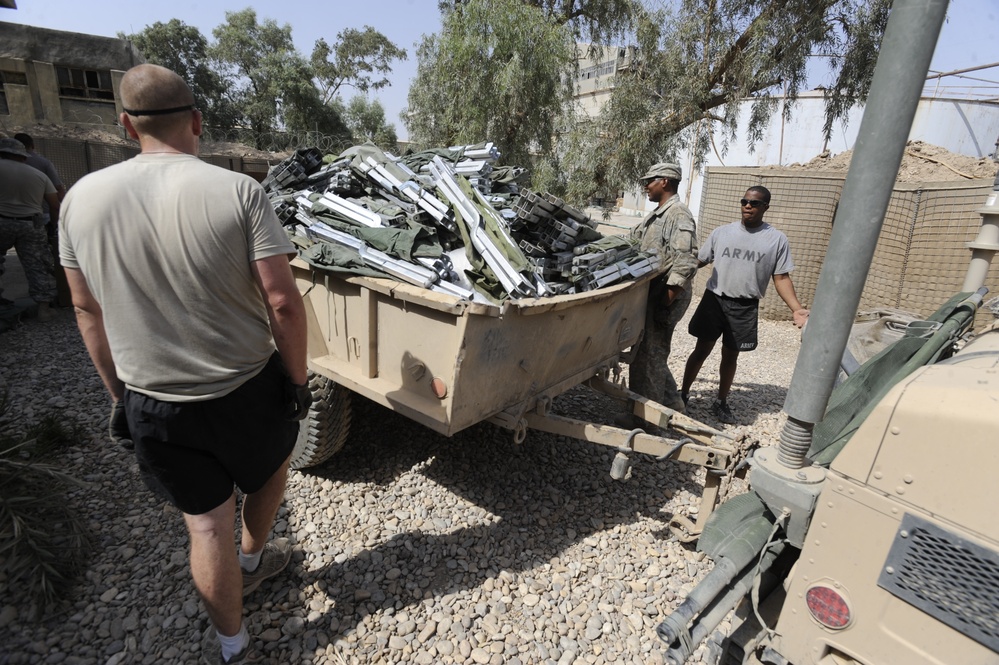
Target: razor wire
[276,141]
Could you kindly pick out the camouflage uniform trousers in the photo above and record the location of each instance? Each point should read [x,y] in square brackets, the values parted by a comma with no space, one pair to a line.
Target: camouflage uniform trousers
[33,251]
[649,374]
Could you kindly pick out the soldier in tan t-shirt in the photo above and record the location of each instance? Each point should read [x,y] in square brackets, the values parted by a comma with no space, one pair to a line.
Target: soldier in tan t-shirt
[180,278]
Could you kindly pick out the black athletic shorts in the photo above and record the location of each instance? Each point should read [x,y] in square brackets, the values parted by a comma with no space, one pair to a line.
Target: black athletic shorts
[192,453]
[733,319]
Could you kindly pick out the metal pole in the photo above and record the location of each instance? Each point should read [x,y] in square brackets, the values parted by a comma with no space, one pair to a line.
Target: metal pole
[984,247]
[909,41]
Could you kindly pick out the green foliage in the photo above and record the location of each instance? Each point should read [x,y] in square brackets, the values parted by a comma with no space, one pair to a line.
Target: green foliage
[43,544]
[261,67]
[366,120]
[570,170]
[183,49]
[497,70]
[862,39]
[356,58]
[596,21]
[252,75]
[696,63]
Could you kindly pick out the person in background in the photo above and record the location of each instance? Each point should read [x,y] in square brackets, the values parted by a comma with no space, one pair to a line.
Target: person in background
[23,193]
[746,255]
[42,164]
[45,166]
[185,299]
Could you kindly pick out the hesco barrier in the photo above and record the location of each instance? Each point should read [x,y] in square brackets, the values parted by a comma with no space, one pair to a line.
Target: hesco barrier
[921,257]
[74,158]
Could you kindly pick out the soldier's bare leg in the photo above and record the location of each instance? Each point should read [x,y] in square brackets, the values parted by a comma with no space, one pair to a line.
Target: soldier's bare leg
[729,362]
[214,566]
[696,360]
[259,510]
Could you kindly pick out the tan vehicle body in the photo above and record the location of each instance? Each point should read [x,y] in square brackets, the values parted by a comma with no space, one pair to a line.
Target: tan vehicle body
[910,503]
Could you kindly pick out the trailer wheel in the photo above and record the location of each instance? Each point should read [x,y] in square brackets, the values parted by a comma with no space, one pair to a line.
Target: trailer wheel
[324,431]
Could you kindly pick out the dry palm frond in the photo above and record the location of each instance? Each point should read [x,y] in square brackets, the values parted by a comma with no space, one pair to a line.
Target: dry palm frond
[42,542]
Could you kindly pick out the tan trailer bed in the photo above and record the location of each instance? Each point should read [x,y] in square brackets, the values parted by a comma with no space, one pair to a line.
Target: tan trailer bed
[449,364]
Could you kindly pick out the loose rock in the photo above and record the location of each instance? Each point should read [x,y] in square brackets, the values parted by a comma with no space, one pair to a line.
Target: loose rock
[410,547]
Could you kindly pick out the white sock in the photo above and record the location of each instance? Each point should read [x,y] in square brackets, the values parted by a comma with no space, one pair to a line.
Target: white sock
[249,562]
[233,645]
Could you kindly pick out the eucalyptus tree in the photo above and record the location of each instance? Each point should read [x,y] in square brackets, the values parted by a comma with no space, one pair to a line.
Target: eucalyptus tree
[183,49]
[698,61]
[366,120]
[269,81]
[497,70]
[358,58]
[694,63]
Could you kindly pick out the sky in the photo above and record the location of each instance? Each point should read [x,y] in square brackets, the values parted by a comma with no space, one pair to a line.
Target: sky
[967,39]
[402,21]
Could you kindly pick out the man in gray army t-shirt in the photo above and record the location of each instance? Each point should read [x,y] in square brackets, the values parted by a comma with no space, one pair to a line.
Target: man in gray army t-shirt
[746,255]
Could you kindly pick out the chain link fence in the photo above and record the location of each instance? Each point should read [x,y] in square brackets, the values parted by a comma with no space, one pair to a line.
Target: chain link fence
[921,257]
[75,156]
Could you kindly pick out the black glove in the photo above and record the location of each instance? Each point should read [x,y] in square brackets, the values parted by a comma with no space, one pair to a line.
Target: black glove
[118,426]
[298,399]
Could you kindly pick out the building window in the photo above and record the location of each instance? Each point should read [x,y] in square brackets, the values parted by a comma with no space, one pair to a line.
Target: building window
[14,78]
[17,78]
[88,83]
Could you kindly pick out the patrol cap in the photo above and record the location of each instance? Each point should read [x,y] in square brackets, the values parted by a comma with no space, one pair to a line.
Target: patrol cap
[13,147]
[663,170]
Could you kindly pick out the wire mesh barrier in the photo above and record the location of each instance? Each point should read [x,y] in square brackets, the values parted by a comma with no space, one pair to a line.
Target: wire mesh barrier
[920,260]
[921,257]
[75,157]
[282,141]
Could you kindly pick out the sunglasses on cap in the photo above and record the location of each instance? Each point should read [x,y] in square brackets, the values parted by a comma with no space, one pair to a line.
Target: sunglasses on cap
[751,203]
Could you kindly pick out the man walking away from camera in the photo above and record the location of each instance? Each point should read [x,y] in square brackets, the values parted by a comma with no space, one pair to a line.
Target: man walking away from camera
[186,302]
[23,193]
[746,255]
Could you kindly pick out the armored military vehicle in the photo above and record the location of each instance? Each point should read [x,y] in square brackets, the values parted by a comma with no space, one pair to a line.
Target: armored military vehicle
[868,535]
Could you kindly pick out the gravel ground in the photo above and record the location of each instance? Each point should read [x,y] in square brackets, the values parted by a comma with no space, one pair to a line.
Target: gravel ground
[409,547]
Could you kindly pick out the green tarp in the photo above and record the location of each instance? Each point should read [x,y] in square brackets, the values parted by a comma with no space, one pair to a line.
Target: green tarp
[854,399]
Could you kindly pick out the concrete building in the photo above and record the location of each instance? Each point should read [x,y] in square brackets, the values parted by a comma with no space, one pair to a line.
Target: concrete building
[52,76]
[599,66]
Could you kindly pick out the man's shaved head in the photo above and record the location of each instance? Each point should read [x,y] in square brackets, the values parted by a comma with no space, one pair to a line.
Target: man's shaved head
[150,88]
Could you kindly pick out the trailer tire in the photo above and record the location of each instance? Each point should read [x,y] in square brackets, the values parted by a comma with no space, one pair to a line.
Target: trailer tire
[324,431]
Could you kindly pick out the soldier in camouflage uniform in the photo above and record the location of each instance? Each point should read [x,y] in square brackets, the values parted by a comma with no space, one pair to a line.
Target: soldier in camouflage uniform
[22,226]
[670,232]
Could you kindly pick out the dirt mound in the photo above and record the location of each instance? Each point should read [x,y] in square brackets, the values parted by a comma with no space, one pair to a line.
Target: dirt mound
[110,135]
[921,162]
